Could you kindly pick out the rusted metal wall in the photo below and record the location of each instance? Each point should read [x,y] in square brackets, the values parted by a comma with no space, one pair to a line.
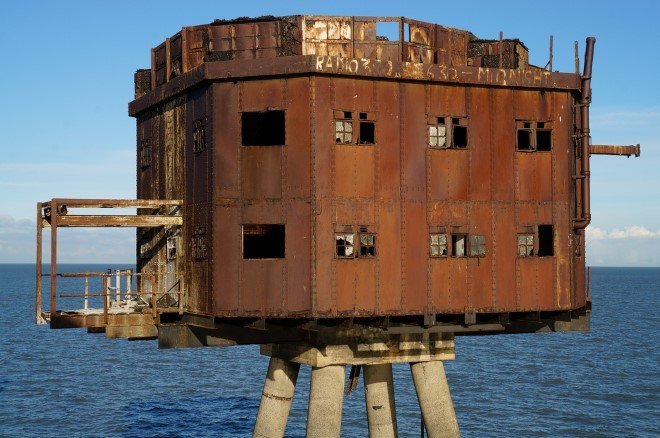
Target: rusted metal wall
[261,185]
[398,188]
[160,175]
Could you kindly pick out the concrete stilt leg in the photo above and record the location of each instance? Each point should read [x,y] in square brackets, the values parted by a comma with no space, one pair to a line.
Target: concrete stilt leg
[326,397]
[379,395]
[276,398]
[434,399]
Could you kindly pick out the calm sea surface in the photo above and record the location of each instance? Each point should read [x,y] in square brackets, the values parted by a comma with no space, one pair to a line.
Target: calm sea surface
[68,382]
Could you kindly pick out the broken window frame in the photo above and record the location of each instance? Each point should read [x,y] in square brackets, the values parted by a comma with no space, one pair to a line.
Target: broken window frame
[346,130]
[347,246]
[474,245]
[534,128]
[438,249]
[537,247]
[526,244]
[477,245]
[356,119]
[450,125]
[362,244]
[367,243]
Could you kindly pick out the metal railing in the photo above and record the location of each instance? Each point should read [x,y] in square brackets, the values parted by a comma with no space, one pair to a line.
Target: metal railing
[121,291]
[59,212]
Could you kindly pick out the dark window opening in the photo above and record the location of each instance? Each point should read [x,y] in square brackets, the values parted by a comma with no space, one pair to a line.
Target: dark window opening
[263,128]
[367,245]
[524,140]
[344,245]
[367,132]
[525,245]
[458,245]
[363,116]
[460,137]
[544,140]
[348,115]
[263,241]
[477,246]
[546,241]
[533,136]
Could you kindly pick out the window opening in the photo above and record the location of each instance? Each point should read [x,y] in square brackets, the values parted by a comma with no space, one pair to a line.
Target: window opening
[438,245]
[544,140]
[525,245]
[367,245]
[524,140]
[387,31]
[265,128]
[344,245]
[458,245]
[343,131]
[263,241]
[448,132]
[477,246]
[546,241]
[367,132]
[438,136]
[460,137]
[533,136]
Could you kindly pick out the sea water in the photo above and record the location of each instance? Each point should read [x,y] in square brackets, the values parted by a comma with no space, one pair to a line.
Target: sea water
[70,383]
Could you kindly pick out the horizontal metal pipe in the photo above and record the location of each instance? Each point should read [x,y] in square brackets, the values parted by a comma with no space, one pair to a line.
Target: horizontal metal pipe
[602,149]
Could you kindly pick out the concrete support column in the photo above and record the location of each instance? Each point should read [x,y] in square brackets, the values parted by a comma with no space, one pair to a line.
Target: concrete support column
[326,397]
[276,398]
[379,396]
[434,399]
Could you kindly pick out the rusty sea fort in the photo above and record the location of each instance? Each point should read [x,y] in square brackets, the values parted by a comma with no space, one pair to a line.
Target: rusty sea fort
[602,383]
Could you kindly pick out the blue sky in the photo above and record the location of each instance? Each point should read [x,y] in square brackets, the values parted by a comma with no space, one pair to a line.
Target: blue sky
[67,76]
